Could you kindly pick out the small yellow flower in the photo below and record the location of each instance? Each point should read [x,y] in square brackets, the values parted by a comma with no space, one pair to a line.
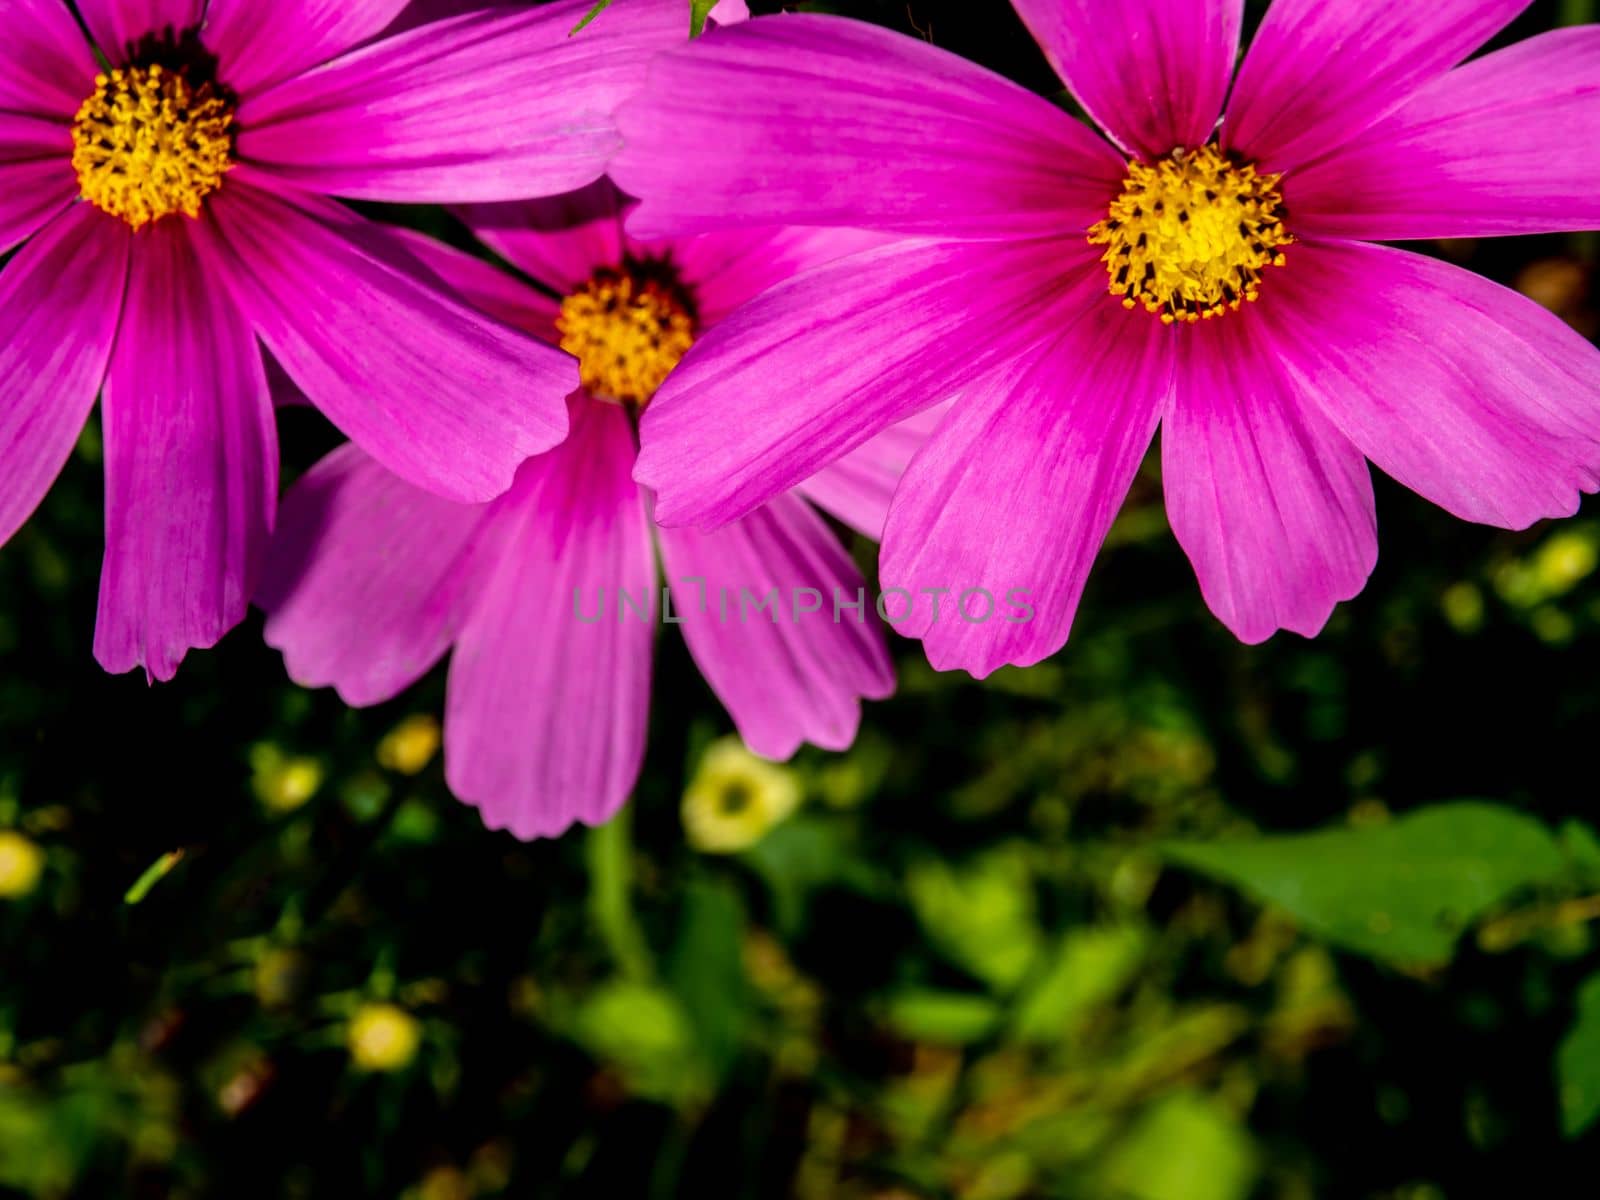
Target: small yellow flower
[21,864]
[383,1037]
[410,746]
[736,798]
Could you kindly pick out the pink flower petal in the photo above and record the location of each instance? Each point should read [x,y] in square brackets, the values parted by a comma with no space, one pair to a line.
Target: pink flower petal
[47,66]
[559,241]
[191,462]
[1462,390]
[485,286]
[818,120]
[369,578]
[727,268]
[260,42]
[444,397]
[1321,71]
[118,24]
[60,297]
[488,106]
[1273,505]
[546,714]
[1019,485]
[858,488]
[1153,73]
[1507,144]
[809,370]
[786,675]
[36,176]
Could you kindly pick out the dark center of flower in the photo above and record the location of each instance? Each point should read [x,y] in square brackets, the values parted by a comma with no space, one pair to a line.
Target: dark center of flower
[1190,236]
[629,327]
[735,798]
[156,137]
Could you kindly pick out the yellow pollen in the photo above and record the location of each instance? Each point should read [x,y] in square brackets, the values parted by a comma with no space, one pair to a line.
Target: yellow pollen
[150,143]
[628,328]
[1190,237]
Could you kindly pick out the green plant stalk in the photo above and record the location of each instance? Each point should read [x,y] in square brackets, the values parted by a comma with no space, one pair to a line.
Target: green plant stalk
[609,851]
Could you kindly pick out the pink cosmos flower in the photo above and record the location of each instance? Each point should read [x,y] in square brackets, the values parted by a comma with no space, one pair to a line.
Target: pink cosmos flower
[171,210]
[1217,282]
[548,595]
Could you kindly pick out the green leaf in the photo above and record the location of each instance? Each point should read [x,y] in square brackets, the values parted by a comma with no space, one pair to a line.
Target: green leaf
[1578,1063]
[643,1032]
[1188,1147]
[699,10]
[942,1018]
[153,874]
[706,969]
[594,12]
[980,914]
[1092,966]
[794,860]
[1583,850]
[1401,892]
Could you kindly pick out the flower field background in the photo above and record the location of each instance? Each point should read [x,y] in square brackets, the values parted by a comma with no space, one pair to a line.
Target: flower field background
[1164,918]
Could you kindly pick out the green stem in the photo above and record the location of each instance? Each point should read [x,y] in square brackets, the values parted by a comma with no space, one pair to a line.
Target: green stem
[610,855]
[1576,12]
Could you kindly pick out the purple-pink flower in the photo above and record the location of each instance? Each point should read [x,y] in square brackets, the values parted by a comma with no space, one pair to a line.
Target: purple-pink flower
[1216,281]
[547,598]
[171,210]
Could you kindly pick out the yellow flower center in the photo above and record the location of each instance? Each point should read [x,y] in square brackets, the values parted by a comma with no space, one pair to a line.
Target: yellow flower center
[152,141]
[628,328]
[1191,235]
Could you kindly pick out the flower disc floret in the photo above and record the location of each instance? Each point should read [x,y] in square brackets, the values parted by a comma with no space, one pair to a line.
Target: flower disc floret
[1191,236]
[152,140]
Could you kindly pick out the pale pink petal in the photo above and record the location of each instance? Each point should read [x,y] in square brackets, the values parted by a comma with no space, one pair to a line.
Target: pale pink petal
[810,369]
[440,394]
[1153,73]
[1272,504]
[36,176]
[559,241]
[259,42]
[47,66]
[1321,71]
[548,696]
[858,488]
[488,106]
[1507,144]
[369,578]
[757,600]
[1008,504]
[818,120]
[1462,390]
[191,462]
[485,286]
[60,297]
[119,24]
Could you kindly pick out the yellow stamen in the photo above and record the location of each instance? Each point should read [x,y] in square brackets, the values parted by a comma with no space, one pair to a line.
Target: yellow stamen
[1190,236]
[150,143]
[628,328]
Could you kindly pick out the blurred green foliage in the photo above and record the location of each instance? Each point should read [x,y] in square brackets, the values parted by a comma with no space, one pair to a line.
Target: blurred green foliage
[1166,918]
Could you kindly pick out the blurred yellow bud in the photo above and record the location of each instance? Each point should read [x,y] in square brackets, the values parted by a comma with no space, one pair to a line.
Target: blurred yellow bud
[410,746]
[1564,561]
[283,783]
[383,1037]
[21,864]
[736,798]
[1463,607]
